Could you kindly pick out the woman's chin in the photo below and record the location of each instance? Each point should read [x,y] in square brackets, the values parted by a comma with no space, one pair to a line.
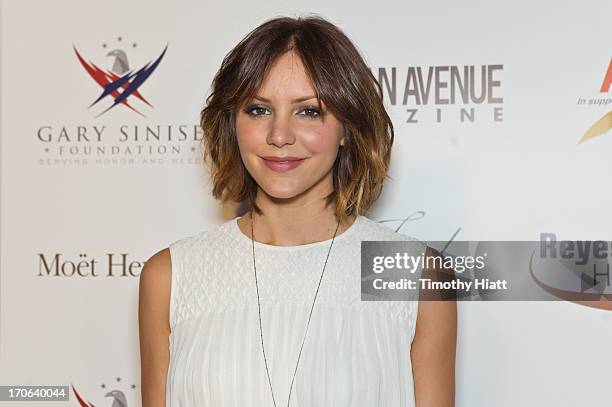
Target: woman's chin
[277,192]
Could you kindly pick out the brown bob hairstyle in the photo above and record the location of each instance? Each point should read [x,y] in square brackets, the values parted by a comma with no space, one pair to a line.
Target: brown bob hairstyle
[340,78]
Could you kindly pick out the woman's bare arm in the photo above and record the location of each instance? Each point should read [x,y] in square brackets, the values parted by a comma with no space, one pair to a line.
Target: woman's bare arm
[433,349]
[154,327]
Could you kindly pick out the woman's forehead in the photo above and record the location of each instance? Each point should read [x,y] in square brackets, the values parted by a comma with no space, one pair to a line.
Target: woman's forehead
[286,79]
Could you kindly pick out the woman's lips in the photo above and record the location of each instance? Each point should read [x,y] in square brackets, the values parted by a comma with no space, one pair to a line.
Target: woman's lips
[282,164]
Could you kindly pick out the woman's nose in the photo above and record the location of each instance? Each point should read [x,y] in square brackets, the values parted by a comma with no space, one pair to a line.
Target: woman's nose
[280,132]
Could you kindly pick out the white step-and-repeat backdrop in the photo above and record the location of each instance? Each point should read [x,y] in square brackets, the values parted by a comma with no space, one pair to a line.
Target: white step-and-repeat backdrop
[502,113]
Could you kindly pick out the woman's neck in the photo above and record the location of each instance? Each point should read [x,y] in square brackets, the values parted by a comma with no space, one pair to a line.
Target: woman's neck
[292,224]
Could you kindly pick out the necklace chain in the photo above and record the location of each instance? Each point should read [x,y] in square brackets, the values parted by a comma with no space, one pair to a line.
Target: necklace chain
[309,316]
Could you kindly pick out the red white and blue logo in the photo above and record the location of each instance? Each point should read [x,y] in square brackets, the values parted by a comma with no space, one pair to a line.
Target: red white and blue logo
[119,83]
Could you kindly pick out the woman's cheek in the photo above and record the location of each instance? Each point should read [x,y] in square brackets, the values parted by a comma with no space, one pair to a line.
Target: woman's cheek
[247,138]
[316,141]
[323,142]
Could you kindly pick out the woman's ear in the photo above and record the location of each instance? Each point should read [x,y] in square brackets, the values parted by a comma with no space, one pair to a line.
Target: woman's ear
[343,136]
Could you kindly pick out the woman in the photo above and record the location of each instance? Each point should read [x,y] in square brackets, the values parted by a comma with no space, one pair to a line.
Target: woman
[265,310]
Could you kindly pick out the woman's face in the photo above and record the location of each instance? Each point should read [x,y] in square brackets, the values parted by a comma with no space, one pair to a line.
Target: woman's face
[286,143]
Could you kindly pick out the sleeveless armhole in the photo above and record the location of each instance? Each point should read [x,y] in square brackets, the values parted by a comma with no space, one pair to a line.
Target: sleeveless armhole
[415,314]
[174,273]
[418,292]
[394,235]
[415,309]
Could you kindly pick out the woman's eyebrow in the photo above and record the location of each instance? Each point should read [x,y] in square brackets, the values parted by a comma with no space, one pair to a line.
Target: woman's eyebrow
[296,100]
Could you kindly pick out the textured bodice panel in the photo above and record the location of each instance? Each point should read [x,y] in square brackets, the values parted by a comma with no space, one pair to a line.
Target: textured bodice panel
[357,353]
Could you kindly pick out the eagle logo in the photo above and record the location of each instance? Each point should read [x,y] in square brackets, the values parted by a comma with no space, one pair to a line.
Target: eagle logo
[120,82]
[118,397]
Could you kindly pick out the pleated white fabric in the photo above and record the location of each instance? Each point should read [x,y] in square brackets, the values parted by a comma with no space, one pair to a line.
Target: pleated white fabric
[356,353]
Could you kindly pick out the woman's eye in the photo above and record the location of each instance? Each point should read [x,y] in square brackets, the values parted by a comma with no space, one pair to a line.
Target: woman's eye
[311,112]
[256,111]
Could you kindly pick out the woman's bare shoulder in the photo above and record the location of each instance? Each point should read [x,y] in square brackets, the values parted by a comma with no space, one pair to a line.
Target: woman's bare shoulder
[154,289]
[158,266]
[154,327]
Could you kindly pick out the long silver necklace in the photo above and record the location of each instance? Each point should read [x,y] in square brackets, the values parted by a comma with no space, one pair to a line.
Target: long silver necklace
[309,316]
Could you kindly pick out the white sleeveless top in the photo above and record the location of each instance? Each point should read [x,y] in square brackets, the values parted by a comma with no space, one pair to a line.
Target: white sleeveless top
[356,353]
